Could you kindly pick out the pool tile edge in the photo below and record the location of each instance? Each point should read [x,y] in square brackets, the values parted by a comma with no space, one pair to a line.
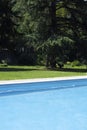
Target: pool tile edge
[40,80]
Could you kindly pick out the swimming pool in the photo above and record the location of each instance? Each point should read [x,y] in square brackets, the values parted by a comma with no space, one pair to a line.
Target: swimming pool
[31,106]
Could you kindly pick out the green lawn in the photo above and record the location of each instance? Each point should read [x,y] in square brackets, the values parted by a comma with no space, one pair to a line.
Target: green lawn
[27,72]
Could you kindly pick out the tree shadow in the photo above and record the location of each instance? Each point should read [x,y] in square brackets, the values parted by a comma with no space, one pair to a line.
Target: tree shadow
[12,69]
[5,69]
[82,70]
[73,70]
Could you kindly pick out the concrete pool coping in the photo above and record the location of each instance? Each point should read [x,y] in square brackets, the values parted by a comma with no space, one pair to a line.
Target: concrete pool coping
[40,80]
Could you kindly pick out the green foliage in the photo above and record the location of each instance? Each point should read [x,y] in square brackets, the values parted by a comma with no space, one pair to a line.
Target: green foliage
[7,24]
[52,31]
[76,63]
[58,48]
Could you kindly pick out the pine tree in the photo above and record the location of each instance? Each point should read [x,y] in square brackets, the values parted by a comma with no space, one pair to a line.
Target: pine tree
[7,23]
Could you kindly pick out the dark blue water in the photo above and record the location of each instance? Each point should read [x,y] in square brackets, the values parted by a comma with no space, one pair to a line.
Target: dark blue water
[12,89]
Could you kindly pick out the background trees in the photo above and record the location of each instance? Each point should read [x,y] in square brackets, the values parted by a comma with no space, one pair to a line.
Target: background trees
[56,30]
[8,24]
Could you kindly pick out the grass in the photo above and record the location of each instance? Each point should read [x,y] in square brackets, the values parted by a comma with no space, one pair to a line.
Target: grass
[27,72]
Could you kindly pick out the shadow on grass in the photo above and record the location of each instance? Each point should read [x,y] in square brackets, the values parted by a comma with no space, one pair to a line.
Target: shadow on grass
[70,70]
[12,69]
[5,69]
[73,70]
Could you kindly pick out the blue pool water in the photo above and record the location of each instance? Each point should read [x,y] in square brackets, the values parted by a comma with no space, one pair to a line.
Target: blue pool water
[32,106]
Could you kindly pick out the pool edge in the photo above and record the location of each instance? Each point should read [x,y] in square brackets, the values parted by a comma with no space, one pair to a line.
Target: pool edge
[40,80]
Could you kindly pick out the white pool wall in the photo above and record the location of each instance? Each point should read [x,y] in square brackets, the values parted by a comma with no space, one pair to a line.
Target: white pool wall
[40,80]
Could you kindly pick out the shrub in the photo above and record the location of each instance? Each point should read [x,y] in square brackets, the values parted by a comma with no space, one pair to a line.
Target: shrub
[75,63]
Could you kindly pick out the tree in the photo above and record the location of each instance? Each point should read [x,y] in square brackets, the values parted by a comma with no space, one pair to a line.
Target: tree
[55,18]
[52,26]
[8,25]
